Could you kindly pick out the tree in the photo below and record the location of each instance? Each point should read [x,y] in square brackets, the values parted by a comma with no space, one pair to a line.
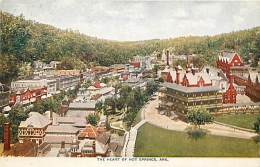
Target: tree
[161,80]
[155,69]
[93,119]
[257,125]
[99,106]
[151,87]
[199,116]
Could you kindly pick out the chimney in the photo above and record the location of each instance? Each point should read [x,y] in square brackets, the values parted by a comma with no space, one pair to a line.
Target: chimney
[207,70]
[187,61]
[177,76]
[51,115]
[193,71]
[6,136]
[167,58]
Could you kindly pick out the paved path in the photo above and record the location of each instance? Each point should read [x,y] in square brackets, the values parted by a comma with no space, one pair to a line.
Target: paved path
[129,147]
[152,116]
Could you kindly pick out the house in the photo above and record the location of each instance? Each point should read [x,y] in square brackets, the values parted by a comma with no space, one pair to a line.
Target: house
[91,132]
[27,96]
[96,92]
[226,86]
[136,83]
[91,147]
[231,64]
[81,109]
[35,84]
[57,133]
[67,72]
[67,82]
[33,128]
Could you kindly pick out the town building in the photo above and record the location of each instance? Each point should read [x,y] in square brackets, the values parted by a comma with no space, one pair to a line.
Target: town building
[231,64]
[181,99]
[68,82]
[81,109]
[96,92]
[227,87]
[183,91]
[33,128]
[136,83]
[91,148]
[21,85]
[253,86]
[91,132]
[67,72]
[27,96]
[56,133]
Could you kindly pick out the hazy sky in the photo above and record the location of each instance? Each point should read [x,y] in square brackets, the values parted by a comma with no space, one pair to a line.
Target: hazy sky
[139,20]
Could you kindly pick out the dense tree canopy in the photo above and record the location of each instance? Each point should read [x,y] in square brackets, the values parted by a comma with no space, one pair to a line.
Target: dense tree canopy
[28,40]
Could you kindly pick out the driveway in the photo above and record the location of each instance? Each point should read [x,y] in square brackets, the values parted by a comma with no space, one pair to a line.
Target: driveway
[151,115]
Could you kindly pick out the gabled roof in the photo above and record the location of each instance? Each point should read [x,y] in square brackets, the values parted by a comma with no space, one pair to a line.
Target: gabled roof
[35,120]
[185,89]
[227,56]
[89,132]
[193,79]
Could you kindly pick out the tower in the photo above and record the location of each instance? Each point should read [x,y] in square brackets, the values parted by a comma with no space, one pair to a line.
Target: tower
[6,136]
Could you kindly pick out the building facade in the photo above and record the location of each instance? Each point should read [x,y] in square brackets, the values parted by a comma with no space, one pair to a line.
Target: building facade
[182,99]
[231,64]
[33,128]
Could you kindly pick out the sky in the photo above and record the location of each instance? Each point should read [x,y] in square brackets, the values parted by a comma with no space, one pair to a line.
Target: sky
[139,20]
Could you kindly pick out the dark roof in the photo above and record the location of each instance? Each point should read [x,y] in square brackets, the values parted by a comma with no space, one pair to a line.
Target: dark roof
[190,89]
[116,148]
[103,138]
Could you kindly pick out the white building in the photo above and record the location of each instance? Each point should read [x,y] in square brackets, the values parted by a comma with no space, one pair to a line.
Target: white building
[35,84]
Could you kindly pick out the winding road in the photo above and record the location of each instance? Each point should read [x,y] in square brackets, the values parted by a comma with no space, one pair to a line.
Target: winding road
[149,113]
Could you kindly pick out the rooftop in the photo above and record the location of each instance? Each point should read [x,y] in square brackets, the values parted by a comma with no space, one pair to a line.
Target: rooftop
[62,129]
[83,105]
[190,89]
[35,120]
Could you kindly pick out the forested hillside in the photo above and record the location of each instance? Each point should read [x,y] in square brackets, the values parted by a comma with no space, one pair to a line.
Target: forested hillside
[25,41]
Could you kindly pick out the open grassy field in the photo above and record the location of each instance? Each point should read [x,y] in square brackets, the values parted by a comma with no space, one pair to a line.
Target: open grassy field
[155,141]
[241,120]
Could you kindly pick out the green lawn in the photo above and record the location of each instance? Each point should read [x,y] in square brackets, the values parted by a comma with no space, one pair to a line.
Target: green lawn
[158,142]
[241,120]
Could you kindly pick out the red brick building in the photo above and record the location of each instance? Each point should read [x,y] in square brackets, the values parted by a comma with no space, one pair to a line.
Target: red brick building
[230,95]
[27,96]
[231,64]
[253,86]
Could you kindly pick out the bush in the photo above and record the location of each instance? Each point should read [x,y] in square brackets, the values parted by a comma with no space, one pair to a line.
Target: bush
[196,133]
